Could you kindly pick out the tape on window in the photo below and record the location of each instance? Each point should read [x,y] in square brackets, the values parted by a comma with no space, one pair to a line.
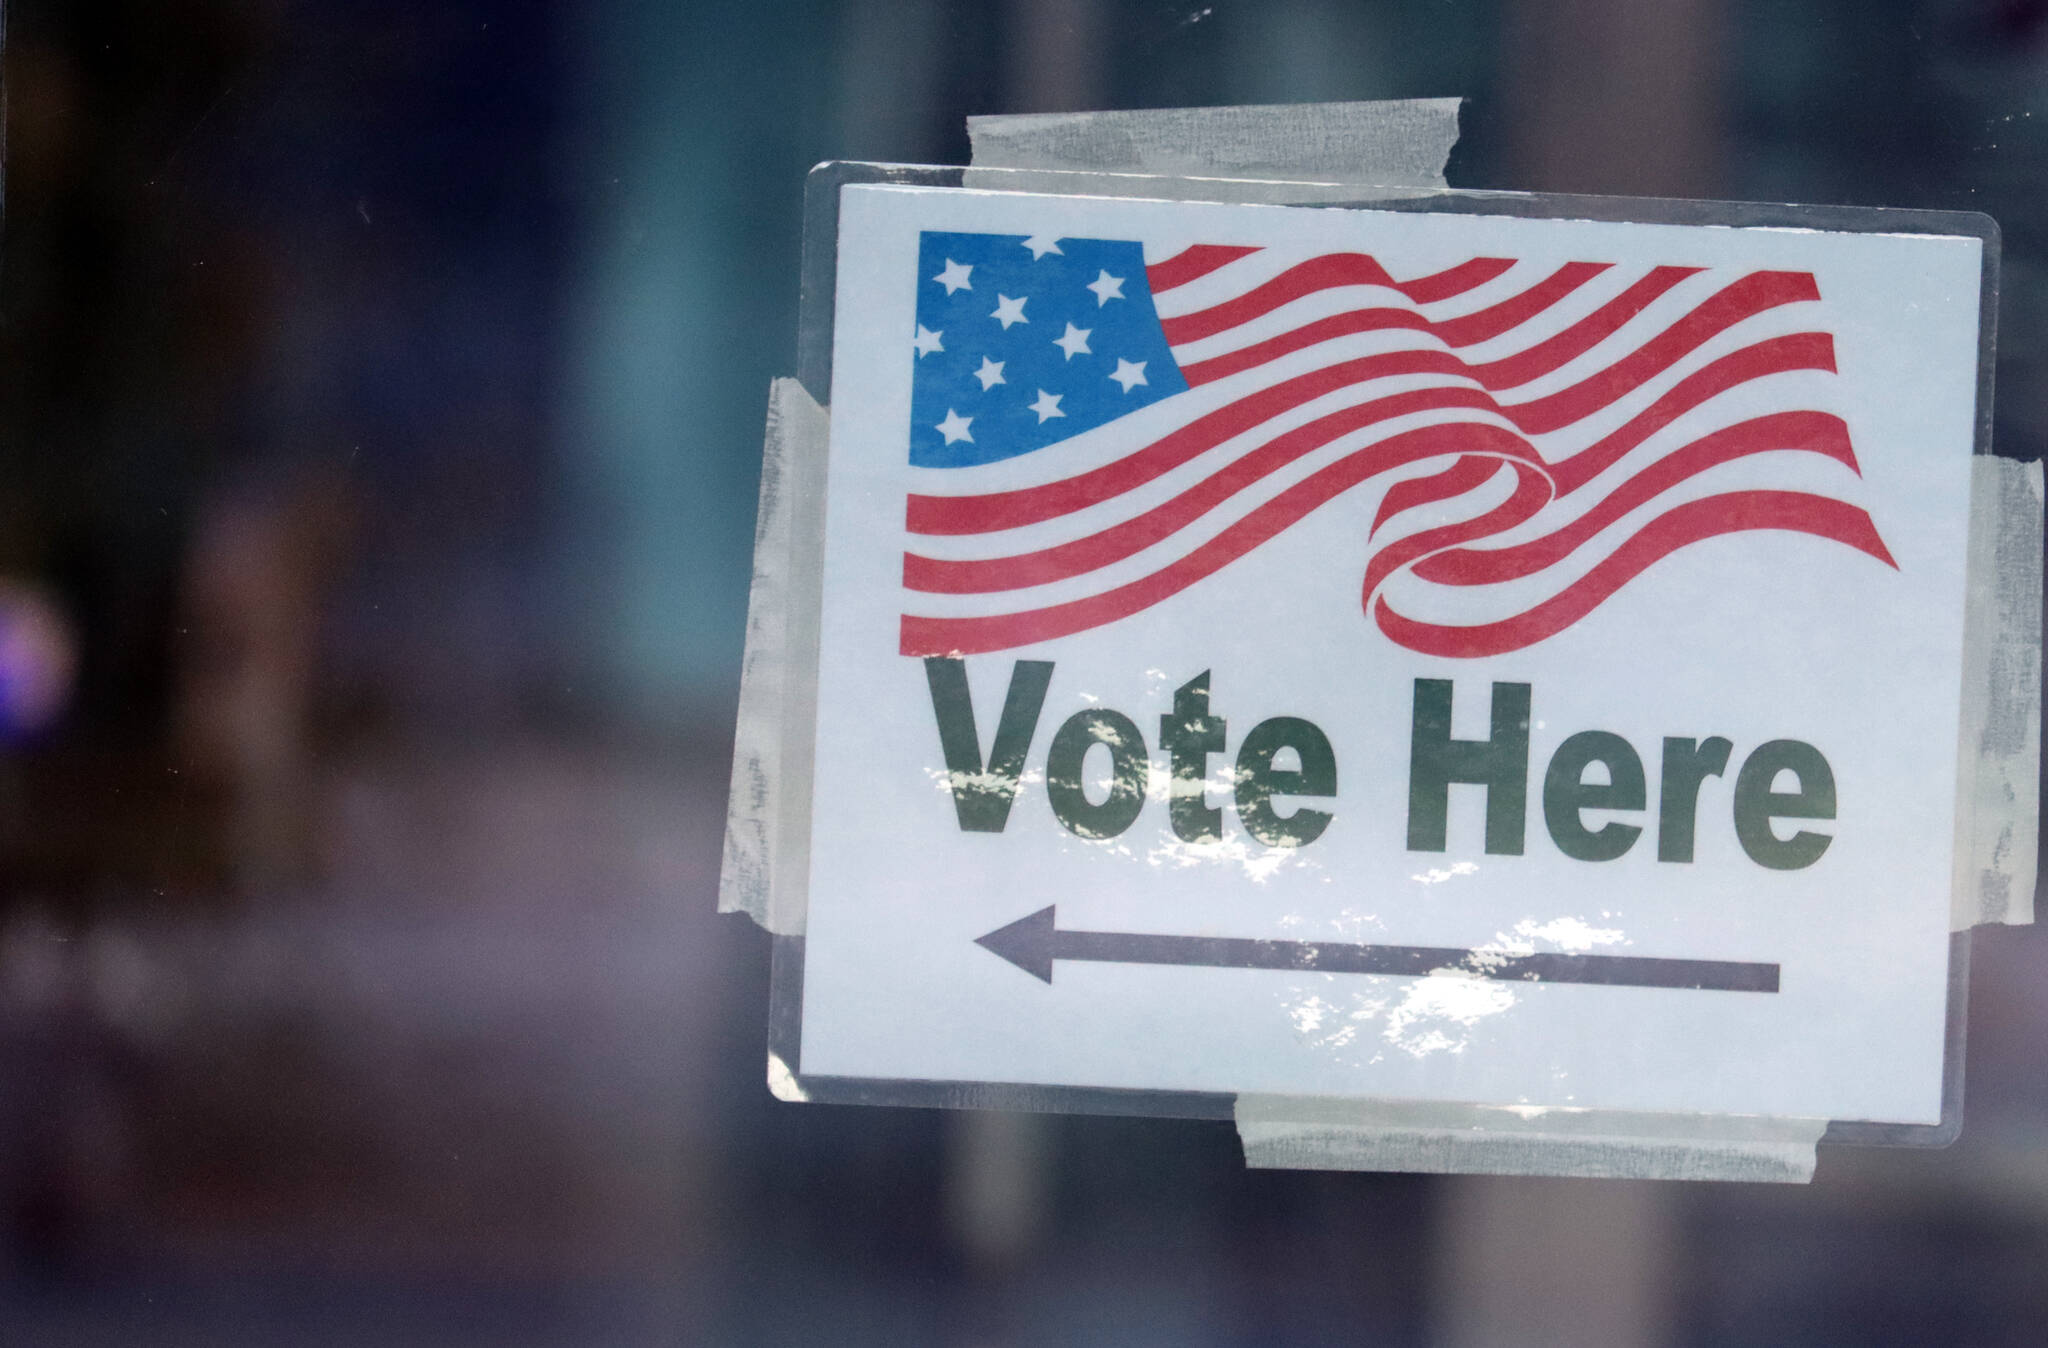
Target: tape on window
[1998,801]
[1286,1132]
[765,872]
[1279,154]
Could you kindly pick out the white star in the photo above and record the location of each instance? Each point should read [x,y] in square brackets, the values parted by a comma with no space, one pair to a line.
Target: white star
[927,341]
[954,427]
[1047,406]
[991,373]
[1074,341]
[1106,288]
[1009,311]
[1129,373]
[954,277]
[1041,244]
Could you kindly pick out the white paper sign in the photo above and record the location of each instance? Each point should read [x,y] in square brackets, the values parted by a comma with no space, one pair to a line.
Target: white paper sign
[1408,655]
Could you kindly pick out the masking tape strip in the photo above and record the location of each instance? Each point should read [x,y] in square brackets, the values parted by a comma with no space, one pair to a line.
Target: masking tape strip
[1155,187]
[765,871]
[1390,143]
[1286,1132]
[1998,801]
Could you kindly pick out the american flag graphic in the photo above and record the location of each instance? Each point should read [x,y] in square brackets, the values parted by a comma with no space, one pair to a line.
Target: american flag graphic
[1540,434]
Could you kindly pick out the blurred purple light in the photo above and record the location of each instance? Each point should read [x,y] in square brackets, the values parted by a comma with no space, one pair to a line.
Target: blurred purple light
[38,657]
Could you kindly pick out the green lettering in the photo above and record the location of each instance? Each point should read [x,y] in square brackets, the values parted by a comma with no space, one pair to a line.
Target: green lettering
[1757,804]
[1687,763]
[1067,758]
[981,798]
[1189,735]
[1499,763]
[1567,794]
[1258,781]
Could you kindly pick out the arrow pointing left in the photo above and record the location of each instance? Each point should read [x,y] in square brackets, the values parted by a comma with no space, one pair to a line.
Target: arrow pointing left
[1033,943]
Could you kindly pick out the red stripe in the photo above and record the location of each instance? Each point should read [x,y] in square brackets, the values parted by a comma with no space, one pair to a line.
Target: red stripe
[1813,432]
[1134,535]
[1745,298]
[1304,278]
[1321,330]
[1192,264]
[968,636]
[1488,323]
[1467,474]
[1329,272]
[992,511]
[1464,330]
[1802,430]
[1774,355]
[1582,336]
[1033,505]
[1797,512]
[1533,491]
[1455,280]
[1485,324]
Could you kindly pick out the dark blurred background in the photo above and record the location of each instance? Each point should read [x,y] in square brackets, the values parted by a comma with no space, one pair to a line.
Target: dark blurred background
[381,391]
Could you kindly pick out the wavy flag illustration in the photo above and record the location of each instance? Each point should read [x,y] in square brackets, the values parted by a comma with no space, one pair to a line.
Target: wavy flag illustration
[1545,433]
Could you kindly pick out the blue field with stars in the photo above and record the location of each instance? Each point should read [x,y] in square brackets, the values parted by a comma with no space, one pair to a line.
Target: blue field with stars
[1022,342]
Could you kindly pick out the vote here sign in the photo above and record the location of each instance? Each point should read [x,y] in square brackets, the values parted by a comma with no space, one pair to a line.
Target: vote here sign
[1409,654]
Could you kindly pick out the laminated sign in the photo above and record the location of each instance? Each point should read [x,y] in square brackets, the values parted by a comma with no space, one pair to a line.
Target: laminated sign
[1476,650]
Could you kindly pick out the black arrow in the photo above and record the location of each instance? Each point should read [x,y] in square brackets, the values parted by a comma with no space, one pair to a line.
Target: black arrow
[1034,942]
